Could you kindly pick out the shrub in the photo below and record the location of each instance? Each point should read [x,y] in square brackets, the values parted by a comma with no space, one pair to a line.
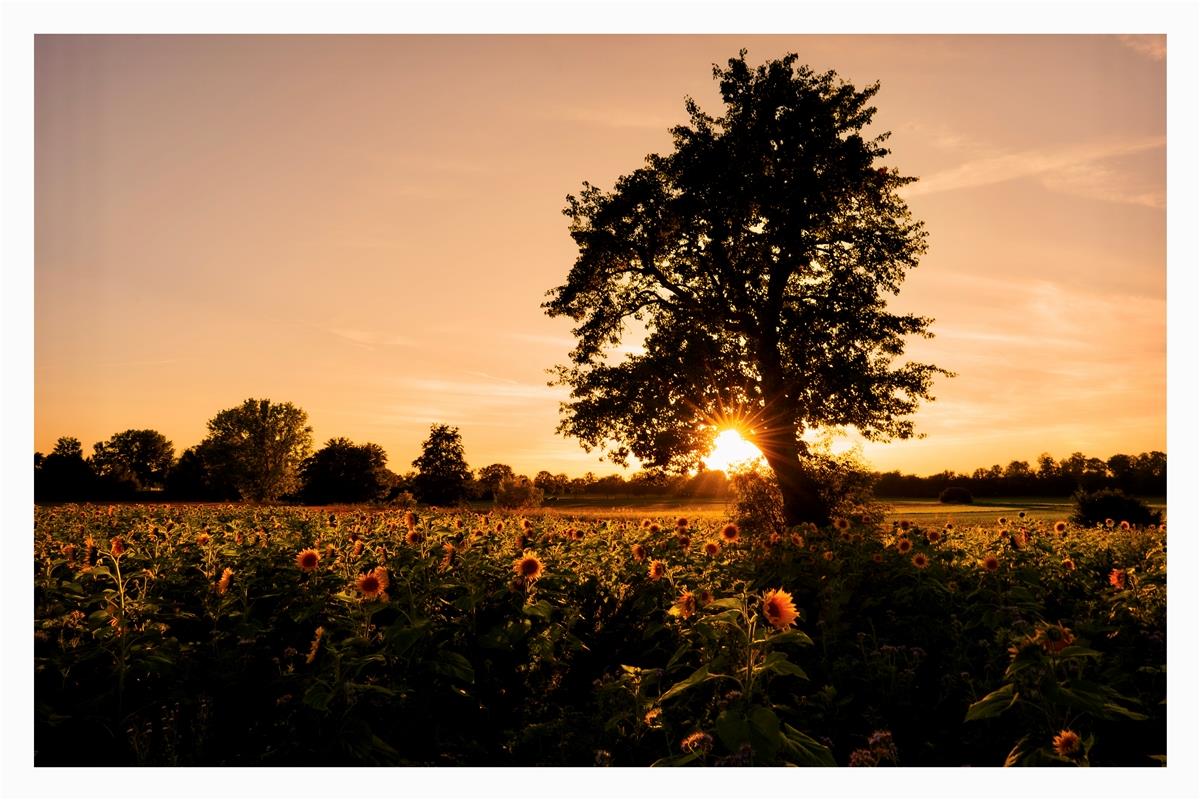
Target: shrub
[1094,508]
[956,494]
[518,492]
[757,503]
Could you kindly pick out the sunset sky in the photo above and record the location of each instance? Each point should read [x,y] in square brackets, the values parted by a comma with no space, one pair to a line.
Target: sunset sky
[367,226]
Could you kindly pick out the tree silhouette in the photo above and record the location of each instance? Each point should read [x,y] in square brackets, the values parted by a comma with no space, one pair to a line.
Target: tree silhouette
[490,477]
[64,474]
[757,257]
[342,471]
[139,459]
[258,447]
[442,472]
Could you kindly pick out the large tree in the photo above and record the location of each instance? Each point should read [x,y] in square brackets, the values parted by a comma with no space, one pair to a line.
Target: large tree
[139,458]
[345,472]
[757,258]
[442,472]
[258,447]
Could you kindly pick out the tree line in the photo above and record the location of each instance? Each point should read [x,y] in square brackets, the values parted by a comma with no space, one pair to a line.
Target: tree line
[262,451]
[1144,474]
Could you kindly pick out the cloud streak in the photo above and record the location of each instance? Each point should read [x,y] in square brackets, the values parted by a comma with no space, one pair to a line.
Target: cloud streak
[1073,168]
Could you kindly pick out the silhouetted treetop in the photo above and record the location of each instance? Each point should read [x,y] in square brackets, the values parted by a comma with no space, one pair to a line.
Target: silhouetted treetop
[757,257]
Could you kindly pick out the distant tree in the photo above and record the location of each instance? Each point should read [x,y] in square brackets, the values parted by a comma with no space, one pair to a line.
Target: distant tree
[518,492]
[139,458]
[442,472]
[758,256]
[258,447]
[343,472]
[1047,467]
[64,474]
[490,477]
[550,484]
[191,479]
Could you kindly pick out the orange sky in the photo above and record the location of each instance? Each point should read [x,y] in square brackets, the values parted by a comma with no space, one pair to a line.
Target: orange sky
[366,226]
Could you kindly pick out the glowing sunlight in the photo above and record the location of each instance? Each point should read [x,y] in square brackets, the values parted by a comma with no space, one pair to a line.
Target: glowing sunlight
[730,449]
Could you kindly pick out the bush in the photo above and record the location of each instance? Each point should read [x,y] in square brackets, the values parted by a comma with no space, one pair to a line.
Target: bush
[956,494]
[1096,508]
[842,481]
[757,503]
[518,492]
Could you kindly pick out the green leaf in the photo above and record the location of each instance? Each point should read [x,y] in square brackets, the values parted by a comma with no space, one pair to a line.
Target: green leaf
[733,729]
[807,751]
[734,603]
[993,704]
[454,665]
[695,679]
[540,609]
[790,637]
[765,732]
[778,663]
[676,761]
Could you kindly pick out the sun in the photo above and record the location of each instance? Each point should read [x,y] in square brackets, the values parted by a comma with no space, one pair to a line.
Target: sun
[730,450]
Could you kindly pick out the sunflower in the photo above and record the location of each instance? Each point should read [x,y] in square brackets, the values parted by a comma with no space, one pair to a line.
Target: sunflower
[1068,744]
[1124,525]
[1055,638]
[682,522]
[528,567]
[307,559]
[685,606]
[991,563]
[1068,565]
[779,609]
[903,545]
[373,583]
[904,524]
[658,570]
[683,539]
[414,536]
[841,523]
[696,742]
[730,532]
[933,537]
[223,584]
[920,561]
[639,552]
[712,547]
[654,529]
[1060,527]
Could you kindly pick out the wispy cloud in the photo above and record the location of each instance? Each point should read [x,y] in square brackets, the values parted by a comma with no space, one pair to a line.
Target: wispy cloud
[613,117]
[1151,46]
[371,339]
[1063,168]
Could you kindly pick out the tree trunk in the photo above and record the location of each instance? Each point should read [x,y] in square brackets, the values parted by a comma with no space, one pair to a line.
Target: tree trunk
[802,500]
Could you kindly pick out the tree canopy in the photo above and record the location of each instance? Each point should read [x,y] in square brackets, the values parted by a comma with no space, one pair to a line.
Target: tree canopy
[442,472]
[258,447]
[757,257]
[344,472]
[139,458]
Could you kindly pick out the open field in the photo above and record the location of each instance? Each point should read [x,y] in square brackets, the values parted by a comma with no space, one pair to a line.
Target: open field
[227,635]
[926,512]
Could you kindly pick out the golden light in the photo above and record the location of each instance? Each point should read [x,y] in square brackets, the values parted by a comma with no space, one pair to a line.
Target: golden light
[730,450]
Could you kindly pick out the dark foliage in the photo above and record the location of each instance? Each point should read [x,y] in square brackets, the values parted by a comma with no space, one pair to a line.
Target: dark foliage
[442,472]
[758,256]
[1112,506]
[955,494]
[343,472]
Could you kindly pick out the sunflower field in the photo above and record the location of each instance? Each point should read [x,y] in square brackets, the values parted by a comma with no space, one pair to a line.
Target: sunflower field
[235,635]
